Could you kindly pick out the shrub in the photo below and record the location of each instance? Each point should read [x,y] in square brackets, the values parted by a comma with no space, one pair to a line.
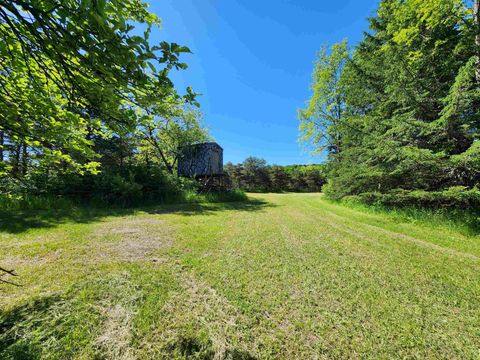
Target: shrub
[453,197]
[466,220]
[138,185]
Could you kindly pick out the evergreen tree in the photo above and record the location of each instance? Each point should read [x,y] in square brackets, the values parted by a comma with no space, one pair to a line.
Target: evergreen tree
[410,120]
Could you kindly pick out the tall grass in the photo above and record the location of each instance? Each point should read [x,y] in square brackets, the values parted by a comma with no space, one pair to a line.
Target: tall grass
[31,202]
[466,221]
[215,196]
[49,202]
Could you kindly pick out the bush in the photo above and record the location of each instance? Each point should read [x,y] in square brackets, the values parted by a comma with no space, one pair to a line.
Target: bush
[138,185]
[453,197]
[466,220]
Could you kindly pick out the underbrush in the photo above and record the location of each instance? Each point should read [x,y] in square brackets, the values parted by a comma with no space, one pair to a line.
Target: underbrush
[456,197]
[49,202]
[31,202]
[456,207]
[135,186]
[216,196]
[464,220]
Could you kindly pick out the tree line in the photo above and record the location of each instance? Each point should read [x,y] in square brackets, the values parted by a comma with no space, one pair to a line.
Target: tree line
[398,114]
[256,175]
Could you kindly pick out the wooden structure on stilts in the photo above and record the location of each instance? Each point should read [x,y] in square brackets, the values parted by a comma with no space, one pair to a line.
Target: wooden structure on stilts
[204,162]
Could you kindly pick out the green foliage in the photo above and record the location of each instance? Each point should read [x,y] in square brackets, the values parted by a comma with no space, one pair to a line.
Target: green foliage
[163,136]
[73,70]
[319,122]
[453,197]
[255,175]
[464,220]
[87,110]
[410,117]
[139,186]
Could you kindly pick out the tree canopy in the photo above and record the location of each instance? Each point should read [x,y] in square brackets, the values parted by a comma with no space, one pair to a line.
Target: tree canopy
[255,174]
[76,69]
[84,91]
[409,126]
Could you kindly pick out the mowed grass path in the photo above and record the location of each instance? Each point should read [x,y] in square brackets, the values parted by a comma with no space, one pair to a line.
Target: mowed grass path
[280,276]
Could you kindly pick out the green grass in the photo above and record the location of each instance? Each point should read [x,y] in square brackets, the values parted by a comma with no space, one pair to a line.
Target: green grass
[276,276]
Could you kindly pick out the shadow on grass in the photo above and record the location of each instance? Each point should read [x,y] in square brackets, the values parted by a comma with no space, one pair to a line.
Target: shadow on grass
[16,222]
[39,327]
[193,348]
[15,322]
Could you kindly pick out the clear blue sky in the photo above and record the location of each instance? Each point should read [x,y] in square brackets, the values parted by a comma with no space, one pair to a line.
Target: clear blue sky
[252,61]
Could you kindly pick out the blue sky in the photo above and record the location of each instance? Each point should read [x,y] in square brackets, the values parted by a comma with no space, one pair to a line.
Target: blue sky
[252,62]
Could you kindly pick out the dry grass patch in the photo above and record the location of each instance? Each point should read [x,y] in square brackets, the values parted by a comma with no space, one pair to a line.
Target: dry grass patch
[197,321]
[131,239]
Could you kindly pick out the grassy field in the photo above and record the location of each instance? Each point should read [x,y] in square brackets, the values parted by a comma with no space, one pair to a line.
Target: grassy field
[279,276]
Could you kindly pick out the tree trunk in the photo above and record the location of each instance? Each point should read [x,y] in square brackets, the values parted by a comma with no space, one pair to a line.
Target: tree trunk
[1,146]
[151,138]
[120,146]
[16,160]
[476,21]
[24,159]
